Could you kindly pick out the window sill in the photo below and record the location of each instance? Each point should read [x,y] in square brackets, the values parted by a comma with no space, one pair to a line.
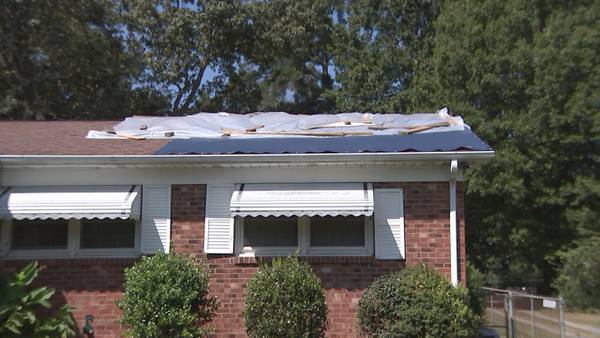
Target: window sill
[66,254]
[254,261]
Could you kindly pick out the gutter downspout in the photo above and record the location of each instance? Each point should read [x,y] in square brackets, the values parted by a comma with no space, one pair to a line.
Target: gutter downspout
[453,225]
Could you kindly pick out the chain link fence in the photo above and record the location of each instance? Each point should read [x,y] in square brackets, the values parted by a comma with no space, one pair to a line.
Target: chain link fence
[515,314]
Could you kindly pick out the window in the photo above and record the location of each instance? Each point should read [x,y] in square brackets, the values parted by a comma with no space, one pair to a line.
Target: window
[107,233]
[39,234]
[337,231]
[312,236]
[34,239]
[270,231]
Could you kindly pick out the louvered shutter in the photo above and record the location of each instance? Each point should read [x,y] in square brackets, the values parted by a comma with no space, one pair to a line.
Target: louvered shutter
[218,225]
[389,224]
[156,219]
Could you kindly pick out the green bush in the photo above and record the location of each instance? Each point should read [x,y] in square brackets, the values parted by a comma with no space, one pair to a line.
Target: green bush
[285,300]
[166,295]
[416,302]
[475,280]
[20,305]
[579,277]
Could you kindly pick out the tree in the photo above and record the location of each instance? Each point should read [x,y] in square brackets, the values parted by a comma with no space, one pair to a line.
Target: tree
[376,48]
[525,75]
[180,40]
[62,59]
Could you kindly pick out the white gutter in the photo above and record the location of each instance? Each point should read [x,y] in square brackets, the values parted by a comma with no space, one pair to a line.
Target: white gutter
[453,226]
[238,158]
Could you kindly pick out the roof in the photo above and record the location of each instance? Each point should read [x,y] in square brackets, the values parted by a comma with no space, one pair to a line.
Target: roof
[430,142]
[67,138]
[223,134]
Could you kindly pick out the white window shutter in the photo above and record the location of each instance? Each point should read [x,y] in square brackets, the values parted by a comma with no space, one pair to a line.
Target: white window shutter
[389,224]
[156,219]
[218,225]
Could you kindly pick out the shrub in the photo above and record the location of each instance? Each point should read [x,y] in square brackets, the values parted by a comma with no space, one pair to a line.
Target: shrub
[20,305]
[285,300]
[166,296]
[416,302]
[475,280]
[579,277]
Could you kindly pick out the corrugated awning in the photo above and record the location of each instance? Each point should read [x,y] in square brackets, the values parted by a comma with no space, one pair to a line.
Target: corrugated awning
[66,202]
[302,199]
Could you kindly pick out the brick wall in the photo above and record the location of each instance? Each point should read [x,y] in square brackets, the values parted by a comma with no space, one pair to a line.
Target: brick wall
[427,230]
[92,286]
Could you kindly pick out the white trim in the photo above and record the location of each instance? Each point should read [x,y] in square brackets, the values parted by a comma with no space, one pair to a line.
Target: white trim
[453,226]
[239,158]
[372,172]
[73,249]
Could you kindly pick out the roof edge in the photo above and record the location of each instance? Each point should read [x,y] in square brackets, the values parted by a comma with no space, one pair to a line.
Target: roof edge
[266,159]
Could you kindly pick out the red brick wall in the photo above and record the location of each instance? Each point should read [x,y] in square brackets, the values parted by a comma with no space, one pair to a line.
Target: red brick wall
[93,286]
[90,286]
[427,230]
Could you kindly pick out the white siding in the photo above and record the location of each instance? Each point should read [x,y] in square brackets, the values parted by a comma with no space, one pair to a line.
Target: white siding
[389,224]
[156,219]
[218,225]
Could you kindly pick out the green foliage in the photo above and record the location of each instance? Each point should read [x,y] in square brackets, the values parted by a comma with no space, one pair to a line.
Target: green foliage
[20,306]
[525,75]
[416,302]
[475,282]
[63,59]
[166,295]
[285,300]
[178,41]
[376,48]
[579,277]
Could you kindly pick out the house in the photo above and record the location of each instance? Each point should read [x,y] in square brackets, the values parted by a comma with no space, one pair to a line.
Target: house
[357,195]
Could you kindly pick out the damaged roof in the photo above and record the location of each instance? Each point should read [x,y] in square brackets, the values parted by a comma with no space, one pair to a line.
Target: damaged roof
[257,133]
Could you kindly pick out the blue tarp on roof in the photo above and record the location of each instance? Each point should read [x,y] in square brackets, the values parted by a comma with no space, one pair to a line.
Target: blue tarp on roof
[427,142]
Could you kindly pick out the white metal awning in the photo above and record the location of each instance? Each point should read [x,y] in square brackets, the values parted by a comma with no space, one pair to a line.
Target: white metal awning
[302,199]
[66,202]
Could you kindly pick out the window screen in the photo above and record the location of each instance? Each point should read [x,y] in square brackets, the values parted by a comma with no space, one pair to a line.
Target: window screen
[40,234]
[337,231]
[270,231]
[104,233]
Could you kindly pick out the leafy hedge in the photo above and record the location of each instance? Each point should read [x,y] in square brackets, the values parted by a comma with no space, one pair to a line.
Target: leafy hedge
[285,300]
[166,296]
[416,302]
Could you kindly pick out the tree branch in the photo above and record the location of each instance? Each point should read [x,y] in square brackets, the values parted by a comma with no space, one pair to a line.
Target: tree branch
[195,86]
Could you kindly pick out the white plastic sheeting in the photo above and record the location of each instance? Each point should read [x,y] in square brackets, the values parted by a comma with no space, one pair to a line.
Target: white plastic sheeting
[70,202]
[302,199]
[280,124]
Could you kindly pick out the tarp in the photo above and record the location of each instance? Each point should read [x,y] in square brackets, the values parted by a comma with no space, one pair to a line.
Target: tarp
[279,124]
[447,141]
